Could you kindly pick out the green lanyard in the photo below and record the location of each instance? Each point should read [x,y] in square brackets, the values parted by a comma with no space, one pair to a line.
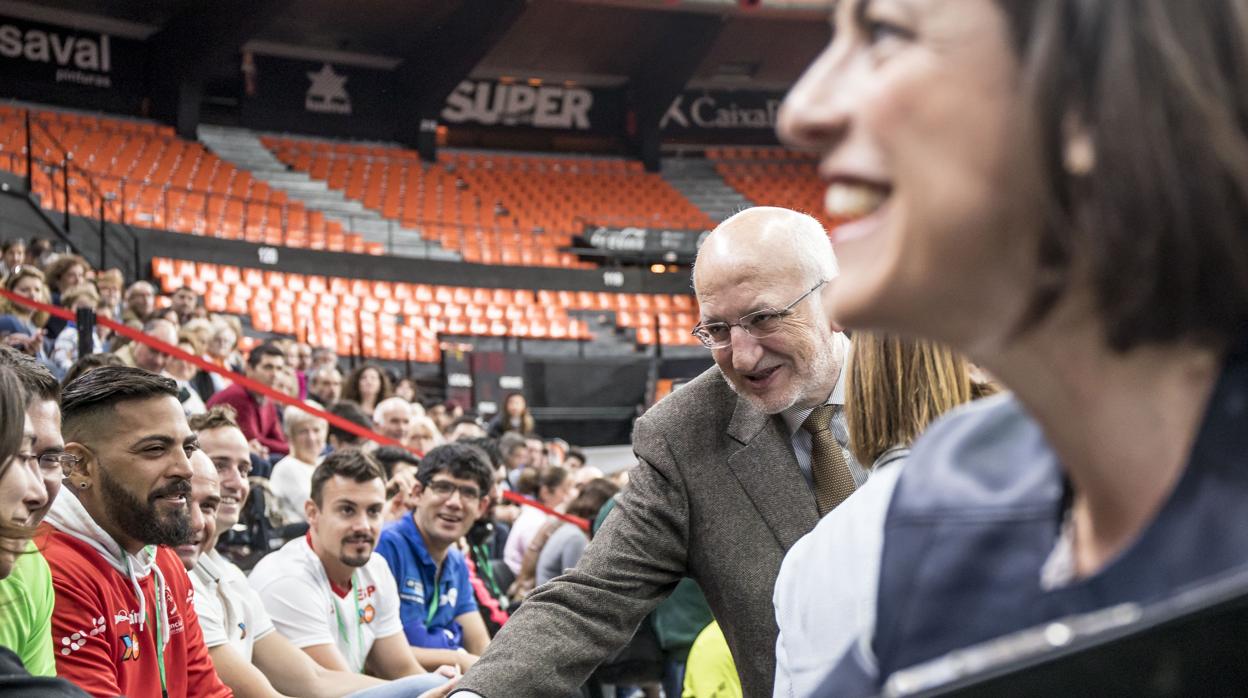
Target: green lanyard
[160,637]
[359,623]
[433,607]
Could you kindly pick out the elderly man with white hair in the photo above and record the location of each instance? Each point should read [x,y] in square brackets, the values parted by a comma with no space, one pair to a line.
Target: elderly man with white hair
[393,417]
[291,481]
[732,470]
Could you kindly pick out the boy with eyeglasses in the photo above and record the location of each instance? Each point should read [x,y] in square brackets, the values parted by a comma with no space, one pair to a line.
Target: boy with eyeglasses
[436,603]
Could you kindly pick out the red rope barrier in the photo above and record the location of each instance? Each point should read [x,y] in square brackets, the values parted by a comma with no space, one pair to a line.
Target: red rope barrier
[526,501]
[200,362]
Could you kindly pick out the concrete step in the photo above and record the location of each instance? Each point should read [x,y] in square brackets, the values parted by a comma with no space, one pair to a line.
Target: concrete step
[697,180]
[244,149]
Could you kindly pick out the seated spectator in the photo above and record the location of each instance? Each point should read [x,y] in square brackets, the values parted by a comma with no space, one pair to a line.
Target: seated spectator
[367,386]
[105,542]
[184,302]
[407,389]
[436,603]
[21,327]
[139,355]
[327,592]
[537,450]
[550,486]
[12,255]
[324,356]
[466,426]
[257,415]
[423,435]
[575,459]
[516,455]
[40,253]
[89,363]
[341,438]
[564,547]
[291,480]
[221,351]
[325,384]
[400,466]
[249,657]
[894,389]
[64,273]
[65,349]
[26,592]
[393,417]
[140,303]
[514,416]
[109,284]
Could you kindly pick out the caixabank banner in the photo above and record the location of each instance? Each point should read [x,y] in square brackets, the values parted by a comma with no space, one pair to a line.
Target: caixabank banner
[333,99]
[722,116]
[75,67]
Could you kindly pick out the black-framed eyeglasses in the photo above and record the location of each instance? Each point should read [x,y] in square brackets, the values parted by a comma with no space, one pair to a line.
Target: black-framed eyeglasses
[758,324]
[443,489]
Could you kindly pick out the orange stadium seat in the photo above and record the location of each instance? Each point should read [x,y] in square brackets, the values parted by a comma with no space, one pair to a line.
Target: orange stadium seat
[359,314]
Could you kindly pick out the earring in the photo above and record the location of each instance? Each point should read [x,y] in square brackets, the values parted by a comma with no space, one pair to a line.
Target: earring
[83,485]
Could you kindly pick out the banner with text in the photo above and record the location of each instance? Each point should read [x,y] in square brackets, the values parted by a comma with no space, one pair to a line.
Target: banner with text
[62,65]
[318,97]
[645,243]
[722,116]
[555,107]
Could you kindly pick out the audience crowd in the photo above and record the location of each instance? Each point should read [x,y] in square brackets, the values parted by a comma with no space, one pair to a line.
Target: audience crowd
[213,540]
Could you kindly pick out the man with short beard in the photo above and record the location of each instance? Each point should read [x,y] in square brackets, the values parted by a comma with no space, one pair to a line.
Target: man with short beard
[328,593]
[726,480]
[124,623]
[249,656]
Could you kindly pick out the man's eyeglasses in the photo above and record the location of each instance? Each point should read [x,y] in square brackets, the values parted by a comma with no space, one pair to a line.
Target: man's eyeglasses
[758,324]
[51,463]
[443,490]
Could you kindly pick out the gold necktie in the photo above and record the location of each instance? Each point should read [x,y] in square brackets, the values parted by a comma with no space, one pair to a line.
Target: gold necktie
[833,481]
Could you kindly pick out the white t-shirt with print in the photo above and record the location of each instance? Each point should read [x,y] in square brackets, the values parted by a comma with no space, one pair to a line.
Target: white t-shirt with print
[229,610]
[305,609]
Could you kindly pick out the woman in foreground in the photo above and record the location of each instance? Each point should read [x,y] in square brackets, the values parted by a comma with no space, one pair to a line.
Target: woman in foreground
[1059,189]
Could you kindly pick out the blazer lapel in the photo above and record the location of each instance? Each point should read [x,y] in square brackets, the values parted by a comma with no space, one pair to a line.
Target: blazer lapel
[767,469]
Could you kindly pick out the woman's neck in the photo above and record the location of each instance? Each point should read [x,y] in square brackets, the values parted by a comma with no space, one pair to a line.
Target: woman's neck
[1122,425]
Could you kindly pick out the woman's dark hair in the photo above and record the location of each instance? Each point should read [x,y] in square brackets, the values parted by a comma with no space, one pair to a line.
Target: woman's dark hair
[13,397]
[594,494]
[1159,224]
[351,391]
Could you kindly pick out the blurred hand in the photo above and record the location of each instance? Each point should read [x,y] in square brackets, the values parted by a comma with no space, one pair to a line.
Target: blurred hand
[259,448]
[443,690]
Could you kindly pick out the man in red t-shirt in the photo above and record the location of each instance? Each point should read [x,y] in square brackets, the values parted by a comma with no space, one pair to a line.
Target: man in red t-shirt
[124,623]
[257,415]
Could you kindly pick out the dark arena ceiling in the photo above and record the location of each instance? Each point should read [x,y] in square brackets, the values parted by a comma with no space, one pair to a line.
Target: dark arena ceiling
[762,44]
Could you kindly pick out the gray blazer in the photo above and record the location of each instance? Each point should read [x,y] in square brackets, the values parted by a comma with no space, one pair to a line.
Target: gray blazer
[717,496]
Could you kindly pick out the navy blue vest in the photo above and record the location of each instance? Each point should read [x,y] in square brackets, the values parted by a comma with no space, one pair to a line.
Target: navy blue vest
[978,511]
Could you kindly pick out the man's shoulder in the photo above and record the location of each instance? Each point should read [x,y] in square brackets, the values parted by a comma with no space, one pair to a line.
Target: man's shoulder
[286,564]
[233,395]
[68,557]
[702,398]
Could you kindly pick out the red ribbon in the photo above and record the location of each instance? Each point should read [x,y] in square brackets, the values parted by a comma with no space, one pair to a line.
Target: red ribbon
[526,501]
[140,337]
[345,425]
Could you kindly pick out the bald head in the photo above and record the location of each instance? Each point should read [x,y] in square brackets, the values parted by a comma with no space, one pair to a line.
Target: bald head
[150,359]
[765,242]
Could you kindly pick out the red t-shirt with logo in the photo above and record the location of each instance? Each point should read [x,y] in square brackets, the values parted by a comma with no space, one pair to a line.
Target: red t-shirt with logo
[96,633]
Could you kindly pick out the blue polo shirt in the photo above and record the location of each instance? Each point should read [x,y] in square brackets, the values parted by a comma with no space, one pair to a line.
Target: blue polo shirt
[416,574]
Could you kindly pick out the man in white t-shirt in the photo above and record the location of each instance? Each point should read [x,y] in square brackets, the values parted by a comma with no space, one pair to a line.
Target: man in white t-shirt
[327,592]
[249,657]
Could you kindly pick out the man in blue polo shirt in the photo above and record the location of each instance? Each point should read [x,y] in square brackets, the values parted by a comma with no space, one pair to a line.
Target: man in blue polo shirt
[436,604]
